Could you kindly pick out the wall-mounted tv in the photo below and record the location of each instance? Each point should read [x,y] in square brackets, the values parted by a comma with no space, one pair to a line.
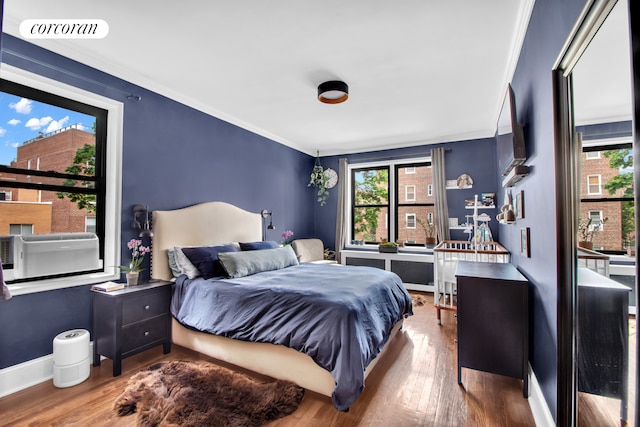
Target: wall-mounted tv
[510,136]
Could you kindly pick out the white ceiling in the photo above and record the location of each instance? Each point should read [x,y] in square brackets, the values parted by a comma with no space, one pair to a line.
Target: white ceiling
[419,71]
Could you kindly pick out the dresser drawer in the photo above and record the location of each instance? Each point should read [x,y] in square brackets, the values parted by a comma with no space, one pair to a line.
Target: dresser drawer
[144,307]
[142,333]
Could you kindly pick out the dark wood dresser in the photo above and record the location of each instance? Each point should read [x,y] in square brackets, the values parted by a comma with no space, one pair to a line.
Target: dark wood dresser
[493,320]
[603,337]
[131,320]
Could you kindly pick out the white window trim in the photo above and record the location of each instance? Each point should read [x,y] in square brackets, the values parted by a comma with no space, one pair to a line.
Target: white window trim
[429,190]
[407,192]
[600,226]
[113,197]
[589,155]
[409,170]
[599,184]
[406,216]
[392,183]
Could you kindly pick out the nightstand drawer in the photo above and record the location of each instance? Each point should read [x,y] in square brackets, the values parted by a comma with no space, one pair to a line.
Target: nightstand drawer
[142,333]
[144,307]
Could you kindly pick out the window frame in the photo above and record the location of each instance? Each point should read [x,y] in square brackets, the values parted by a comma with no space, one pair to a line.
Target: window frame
[111,189]
[589,192]
[392,211]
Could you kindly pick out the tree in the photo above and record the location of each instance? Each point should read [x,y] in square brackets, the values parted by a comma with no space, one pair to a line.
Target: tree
[84,163]
[371,189]
[623,160]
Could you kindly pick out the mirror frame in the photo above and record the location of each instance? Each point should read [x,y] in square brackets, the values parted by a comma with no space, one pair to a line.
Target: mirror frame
[567,190]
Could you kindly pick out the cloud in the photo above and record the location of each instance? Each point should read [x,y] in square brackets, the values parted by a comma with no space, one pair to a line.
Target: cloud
[23,106]
[37,124]
[57,124]
[13,122]
[2,131]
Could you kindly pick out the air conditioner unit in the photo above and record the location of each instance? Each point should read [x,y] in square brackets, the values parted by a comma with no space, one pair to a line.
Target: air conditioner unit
[48,254]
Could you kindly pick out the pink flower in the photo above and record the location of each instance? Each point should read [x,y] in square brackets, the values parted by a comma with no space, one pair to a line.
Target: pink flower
[137,255]
[287,236]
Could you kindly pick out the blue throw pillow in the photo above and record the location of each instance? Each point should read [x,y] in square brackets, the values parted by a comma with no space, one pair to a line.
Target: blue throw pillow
[257,246]
[240,264]
[205,259]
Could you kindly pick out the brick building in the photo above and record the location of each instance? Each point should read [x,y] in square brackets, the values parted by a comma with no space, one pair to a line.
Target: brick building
[596,172]
[41,212]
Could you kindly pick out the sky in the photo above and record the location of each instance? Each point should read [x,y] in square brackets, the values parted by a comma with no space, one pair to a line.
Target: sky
[23,119]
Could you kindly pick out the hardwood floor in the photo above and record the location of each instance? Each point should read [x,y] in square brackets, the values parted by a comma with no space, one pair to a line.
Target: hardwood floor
[414,384]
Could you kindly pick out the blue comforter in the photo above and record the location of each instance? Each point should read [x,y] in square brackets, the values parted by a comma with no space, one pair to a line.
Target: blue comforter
[340,316]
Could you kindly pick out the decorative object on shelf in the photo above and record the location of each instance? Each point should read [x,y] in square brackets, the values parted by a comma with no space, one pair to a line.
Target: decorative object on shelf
[287,237]
[451,184]
[519,205]
[464,181]
[138,252]
[488,199]
[524,242]
[144,228]
[587,228]
[264,214]
[319,180]
[507,215]
[388,247]
[333,92]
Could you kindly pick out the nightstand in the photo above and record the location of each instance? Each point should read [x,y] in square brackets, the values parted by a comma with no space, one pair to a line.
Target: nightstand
[131,320]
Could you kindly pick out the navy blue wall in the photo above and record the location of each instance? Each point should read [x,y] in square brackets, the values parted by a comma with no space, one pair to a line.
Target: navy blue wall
[173,156]
[549,27]
[476,158]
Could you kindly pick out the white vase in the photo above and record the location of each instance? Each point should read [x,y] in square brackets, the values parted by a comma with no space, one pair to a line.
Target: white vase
[132,278]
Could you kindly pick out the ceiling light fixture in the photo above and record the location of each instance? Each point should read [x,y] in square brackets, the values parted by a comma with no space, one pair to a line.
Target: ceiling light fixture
[333,92]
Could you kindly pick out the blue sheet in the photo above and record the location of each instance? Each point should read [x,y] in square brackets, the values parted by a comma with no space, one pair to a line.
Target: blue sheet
[340,316]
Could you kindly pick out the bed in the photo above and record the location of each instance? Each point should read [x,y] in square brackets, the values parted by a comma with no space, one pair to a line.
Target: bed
[288,356]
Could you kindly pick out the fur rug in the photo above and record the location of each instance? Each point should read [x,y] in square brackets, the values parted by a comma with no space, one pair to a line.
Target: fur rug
[418,300]
[184,393]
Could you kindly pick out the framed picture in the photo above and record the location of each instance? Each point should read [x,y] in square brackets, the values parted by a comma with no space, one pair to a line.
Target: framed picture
[519,205]
[524,242]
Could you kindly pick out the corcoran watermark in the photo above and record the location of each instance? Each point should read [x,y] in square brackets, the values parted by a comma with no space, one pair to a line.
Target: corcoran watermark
[64,29]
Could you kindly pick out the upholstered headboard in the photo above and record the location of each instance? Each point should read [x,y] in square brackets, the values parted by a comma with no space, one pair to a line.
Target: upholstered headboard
[209,223]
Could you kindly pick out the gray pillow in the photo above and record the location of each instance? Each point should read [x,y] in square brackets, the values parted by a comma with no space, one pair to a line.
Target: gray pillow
[246,263]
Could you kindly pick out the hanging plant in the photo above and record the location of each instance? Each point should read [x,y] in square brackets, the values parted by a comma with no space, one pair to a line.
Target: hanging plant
[319,180]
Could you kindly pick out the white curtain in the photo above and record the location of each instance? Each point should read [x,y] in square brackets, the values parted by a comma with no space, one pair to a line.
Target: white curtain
[440,193]
[342,230]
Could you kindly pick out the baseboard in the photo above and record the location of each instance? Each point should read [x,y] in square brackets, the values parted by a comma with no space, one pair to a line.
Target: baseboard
[29,373]
[539,408]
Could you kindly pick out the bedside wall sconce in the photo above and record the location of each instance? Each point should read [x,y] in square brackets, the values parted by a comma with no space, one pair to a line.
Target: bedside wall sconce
[265,213]
[144,228]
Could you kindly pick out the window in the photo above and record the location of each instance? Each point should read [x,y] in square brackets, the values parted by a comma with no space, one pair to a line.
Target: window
[19,229]
[593,184]
[370,204]
[411,220]
[39,175]
[596,220]
[608,197]
[410,193]
[430,190]
[592,155]
[387,202]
